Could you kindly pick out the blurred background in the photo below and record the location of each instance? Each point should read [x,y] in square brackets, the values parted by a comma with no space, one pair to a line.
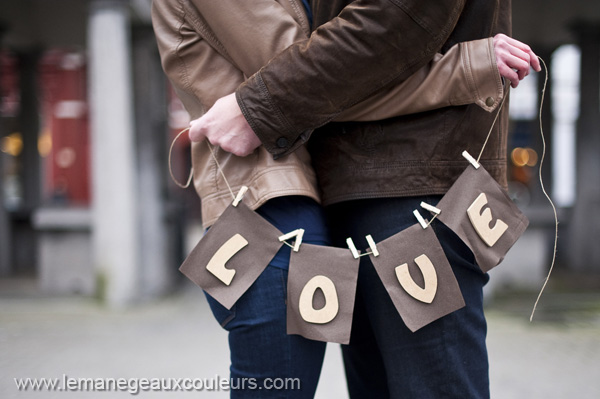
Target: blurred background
[92,229]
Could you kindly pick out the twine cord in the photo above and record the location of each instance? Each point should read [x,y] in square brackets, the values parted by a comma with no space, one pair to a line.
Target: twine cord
[540,178]
[220,169]
[190,177]
[546,194]
[493,123]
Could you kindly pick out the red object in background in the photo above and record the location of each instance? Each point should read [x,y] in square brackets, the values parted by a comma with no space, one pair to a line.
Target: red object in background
[9,85]
[64,139]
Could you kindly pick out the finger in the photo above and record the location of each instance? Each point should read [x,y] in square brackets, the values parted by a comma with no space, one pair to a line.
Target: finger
[517,59]
[518,52]
[197,131]
[531,57]
[508,73]
[517,43]
[520,66]
[535,62]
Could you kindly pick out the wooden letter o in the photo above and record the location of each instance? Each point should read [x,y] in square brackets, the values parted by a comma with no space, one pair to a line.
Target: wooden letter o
[327,312]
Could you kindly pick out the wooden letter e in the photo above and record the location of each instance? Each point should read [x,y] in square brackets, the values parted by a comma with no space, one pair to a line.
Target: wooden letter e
[481,221]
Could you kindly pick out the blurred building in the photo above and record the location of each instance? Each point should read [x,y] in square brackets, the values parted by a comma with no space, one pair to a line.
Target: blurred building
[86,119]
[86,204]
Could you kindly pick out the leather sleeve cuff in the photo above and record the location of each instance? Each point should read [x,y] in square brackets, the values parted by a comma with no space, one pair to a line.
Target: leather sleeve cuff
[266,120]
[482,74]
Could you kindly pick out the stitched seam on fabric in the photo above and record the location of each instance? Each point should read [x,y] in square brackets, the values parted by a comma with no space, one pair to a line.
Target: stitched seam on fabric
[415,18]
[272,169]
[183,69]
[200,23]
[444,32]
[183,66]
[494,69]
[301,15]
[495,19]
[278,114]
[290,191]
[469,74]
[258,175]
[229,318]
[248,116]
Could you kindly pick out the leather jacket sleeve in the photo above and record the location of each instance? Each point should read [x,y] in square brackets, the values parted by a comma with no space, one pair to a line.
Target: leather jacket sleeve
[369,45]
[467,73]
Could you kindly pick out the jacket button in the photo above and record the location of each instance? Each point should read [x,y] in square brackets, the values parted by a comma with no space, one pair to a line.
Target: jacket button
[282,142]
[489,101]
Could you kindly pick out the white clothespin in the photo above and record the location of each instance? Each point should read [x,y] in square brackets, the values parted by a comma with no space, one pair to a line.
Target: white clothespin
[431,208]
[240,195]
[352,248]
[372,245]
[299,233]
[422,221]
[472,160]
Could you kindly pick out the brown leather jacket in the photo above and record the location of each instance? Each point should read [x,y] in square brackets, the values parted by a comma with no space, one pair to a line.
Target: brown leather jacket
[359,48]
[209,47]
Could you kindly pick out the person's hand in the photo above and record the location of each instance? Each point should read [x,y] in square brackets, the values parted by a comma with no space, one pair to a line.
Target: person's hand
[514,59]
[224,125]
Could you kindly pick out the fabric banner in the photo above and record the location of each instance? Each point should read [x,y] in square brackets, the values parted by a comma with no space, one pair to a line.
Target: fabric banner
[416,274]
[232,254]
[480,212]
[321,291]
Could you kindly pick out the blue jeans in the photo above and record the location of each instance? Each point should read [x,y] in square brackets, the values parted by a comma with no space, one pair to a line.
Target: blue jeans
[261,350]
[445,359]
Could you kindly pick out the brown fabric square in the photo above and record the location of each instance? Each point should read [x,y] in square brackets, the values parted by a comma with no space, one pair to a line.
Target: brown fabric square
[403,249]
[238,224]
[323,267]
[505,217]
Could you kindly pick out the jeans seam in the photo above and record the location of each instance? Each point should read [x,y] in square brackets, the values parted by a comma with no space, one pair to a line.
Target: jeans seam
[228,318]
[288,337]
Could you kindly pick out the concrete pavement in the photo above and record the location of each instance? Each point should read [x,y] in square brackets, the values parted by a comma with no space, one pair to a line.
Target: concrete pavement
[557,356]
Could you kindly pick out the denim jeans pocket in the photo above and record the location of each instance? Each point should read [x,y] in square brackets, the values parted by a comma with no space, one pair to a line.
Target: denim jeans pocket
[220,312]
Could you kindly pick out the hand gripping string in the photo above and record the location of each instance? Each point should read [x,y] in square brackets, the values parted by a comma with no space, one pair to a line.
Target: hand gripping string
[189,180]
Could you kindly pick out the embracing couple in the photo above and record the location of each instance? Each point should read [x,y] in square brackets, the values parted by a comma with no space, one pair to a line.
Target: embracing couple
[341,117]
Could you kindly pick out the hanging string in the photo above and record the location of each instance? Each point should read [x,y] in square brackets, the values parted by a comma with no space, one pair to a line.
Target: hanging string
[220,169]
[288,244]
[546,194]
[189,181]
[431,220]
[191,176]
[506,88]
